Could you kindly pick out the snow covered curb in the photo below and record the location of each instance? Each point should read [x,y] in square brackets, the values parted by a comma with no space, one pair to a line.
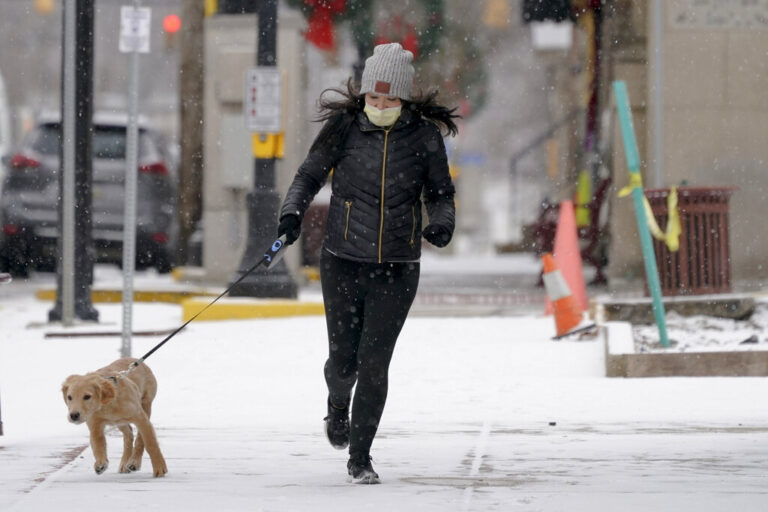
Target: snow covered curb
[638,310]
[621,360]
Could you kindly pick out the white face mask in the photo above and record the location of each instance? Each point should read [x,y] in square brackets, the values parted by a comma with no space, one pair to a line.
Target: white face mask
[382,118]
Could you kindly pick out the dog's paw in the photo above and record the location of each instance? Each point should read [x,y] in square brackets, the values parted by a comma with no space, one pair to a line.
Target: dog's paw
[100,467]
[132,465]
[126,468]
[160,469]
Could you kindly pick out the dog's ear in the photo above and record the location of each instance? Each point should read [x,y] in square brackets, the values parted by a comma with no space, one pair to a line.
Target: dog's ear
[107,390]
[65,386]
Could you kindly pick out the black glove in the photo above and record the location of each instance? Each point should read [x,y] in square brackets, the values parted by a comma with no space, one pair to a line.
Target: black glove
[437,235]
[290,226]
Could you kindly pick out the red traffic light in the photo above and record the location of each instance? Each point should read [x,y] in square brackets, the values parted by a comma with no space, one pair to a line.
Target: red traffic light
[171,23]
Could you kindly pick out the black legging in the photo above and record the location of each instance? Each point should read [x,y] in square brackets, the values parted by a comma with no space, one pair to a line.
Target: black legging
[365,308]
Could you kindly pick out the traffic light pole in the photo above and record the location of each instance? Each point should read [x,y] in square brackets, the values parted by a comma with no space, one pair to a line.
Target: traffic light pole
[75,268]
[264,201]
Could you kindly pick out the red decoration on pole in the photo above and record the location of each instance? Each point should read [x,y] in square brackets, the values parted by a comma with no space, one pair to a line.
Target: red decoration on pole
[395,30]
[320,31]
[411,41]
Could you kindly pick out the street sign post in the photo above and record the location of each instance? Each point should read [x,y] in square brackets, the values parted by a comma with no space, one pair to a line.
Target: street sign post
[68,165]
[134,38]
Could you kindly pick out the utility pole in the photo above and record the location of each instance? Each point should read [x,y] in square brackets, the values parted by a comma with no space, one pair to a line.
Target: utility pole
[657,91]
[75,266]
[191,79]
[263,202]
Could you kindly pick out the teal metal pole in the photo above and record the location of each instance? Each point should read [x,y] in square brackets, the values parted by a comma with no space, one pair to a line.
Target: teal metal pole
[633,162]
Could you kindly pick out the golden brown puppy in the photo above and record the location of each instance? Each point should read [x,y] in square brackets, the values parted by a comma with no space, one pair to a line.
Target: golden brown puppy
[105,397]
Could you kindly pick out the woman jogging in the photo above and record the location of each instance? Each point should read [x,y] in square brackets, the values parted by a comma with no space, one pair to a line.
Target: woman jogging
[386,151]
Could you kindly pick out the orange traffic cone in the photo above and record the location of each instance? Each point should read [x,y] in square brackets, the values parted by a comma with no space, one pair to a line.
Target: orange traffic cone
[568,315]
[568,255]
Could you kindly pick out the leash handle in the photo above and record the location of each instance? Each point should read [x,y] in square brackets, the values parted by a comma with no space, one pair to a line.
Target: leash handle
[271,257]
[275,252]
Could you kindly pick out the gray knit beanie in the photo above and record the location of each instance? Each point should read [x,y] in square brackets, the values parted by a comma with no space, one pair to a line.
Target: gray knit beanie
[388,71]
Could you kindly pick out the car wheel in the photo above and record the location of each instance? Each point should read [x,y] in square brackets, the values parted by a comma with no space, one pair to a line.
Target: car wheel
[163,263]
[144,258]
[41,260]
[14,260]
[45,265]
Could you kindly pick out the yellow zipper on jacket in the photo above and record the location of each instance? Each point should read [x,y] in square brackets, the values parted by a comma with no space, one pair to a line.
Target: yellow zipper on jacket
[383,180]
[346,223]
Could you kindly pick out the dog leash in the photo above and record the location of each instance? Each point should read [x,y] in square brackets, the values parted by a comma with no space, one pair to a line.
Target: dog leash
[271,257]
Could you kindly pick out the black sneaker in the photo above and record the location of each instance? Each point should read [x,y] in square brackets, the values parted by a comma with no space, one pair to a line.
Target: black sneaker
[337,426]
[361,471]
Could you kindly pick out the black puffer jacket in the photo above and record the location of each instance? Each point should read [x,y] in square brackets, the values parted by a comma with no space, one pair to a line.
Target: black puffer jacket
[378,182]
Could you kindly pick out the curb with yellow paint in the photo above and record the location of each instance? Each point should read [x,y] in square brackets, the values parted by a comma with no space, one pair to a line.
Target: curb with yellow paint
[112,296]
[244,309]
[193,301]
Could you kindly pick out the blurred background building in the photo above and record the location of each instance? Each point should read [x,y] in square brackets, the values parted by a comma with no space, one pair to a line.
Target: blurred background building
[532,79]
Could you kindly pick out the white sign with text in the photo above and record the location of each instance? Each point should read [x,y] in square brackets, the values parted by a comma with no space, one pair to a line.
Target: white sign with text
[262,100]
[134,29]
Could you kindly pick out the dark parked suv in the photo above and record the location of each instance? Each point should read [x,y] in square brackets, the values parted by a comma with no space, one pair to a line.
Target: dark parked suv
[28,204]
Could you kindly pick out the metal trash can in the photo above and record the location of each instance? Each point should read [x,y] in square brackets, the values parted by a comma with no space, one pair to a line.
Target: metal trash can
[702,264]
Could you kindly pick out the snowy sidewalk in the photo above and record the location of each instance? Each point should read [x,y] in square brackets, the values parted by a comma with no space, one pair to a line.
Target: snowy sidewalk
[483,414]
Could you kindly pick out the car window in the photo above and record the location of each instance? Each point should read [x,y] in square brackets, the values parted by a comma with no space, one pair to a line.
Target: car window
[46,139]
[108,141]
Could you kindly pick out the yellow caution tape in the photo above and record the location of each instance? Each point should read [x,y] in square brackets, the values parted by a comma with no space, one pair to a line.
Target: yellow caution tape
[635,181]
[672,236]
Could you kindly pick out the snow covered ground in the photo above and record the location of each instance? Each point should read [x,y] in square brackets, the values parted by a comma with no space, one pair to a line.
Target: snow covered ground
[484,413]
[700,333]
